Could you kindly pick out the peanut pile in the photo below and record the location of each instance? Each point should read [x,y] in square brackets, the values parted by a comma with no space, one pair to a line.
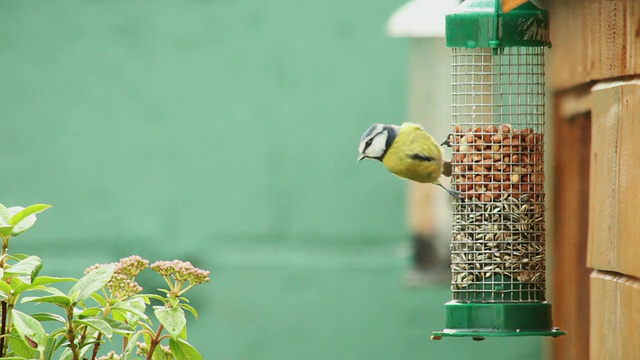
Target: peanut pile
[491,163]
[499,226]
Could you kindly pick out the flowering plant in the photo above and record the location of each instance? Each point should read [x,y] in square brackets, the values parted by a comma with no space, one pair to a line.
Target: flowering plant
[105,303]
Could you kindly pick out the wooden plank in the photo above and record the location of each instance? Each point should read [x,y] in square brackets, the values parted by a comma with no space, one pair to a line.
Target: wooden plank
[428,207]
[593,40]
[614,38]
[615,315]
[615,178]
[568,236]
[420,208]
[569,30]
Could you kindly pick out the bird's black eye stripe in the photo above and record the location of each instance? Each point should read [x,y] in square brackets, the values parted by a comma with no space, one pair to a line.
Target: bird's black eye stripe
[370,141]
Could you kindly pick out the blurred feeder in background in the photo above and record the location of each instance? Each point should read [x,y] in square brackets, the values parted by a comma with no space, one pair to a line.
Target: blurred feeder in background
[429,103]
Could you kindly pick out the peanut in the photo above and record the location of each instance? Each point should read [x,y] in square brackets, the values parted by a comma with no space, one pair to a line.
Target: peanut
[504,128]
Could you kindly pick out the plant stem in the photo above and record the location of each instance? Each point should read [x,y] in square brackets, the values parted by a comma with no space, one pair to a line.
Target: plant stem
[5,247]
[169,282]
[71,336]
[4,328]
[10,305]
[96,346]
[154,342]
[3,331]
[7,307]
[5,244]
[125,340]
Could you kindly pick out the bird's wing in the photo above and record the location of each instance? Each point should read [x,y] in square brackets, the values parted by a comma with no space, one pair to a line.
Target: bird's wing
[428,149]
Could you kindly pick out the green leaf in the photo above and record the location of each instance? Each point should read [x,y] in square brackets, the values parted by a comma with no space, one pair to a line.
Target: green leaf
[5,215]
[119,315]
[182,350]
[183,334]
[22,219]
[157,297]
[191,309]
[158,354]
[27,269]
[90,312]
[138,304]
[98,324]
[44,280]
[26,212]
[59,332]
[21,347]
[50,348]
[5,288]
[16,284]
[29,327]
[18,257]
[89,343]
[49,289]
[38,284]
[127,307]
[6,230]
[91,283]
[119,327]
[20,287]
[99,299]
[131,347]
[172,319]
[61,300]
[147,326]
[67,354]
[49,317]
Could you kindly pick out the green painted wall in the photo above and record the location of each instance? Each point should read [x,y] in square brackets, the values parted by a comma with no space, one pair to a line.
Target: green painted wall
[222,132]
[199,120]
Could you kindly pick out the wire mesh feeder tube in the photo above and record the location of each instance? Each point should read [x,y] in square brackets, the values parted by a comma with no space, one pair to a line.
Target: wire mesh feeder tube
[498,233]
[498,243]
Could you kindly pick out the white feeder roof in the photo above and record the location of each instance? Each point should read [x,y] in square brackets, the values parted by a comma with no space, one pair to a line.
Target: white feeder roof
[420,18]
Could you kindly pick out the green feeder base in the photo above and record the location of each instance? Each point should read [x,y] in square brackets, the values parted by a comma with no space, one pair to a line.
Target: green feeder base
[480,320]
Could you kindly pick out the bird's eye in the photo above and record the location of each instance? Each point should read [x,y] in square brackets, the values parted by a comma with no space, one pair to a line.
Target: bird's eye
[368,143]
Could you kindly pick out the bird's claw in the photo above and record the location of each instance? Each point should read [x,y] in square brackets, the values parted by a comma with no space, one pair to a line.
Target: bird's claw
[452,192]
[447,141]
[455,194]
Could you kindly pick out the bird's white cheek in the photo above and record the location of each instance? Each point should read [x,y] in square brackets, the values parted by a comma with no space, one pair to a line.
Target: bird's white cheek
[378,145]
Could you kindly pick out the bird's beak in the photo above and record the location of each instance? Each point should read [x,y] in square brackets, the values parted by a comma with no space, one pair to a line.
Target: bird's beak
[360,157]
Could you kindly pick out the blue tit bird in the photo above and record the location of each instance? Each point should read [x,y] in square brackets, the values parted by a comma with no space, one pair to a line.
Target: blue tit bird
[407,151]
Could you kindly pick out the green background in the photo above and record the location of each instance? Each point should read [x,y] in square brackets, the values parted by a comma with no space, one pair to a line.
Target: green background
[225,133]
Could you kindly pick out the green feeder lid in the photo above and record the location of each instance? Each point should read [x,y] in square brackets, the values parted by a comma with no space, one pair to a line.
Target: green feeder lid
[482,23]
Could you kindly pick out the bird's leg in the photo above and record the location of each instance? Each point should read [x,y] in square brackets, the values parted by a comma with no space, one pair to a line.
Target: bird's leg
[451,192]
[447,141]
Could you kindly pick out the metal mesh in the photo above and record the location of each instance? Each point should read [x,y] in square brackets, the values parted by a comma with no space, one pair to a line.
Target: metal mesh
[498,240]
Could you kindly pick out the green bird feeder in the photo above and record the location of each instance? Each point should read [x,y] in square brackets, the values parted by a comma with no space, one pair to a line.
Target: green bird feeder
[498,228]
